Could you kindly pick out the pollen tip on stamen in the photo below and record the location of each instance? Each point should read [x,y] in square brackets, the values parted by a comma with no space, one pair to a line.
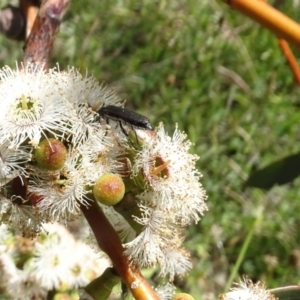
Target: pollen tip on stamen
[24,102]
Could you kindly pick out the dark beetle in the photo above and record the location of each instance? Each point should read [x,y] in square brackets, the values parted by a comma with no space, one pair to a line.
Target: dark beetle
[123,115]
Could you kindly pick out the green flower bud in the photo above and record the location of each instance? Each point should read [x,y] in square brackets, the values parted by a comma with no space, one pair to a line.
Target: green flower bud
[51,154]
[109,189]
[183,296]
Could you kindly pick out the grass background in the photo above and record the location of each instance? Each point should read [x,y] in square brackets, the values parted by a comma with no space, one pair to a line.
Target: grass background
[223,79]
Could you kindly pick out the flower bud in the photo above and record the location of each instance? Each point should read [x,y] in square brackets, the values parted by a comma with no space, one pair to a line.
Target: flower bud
[51,154]
[183,296]
[35,199]
[109,189]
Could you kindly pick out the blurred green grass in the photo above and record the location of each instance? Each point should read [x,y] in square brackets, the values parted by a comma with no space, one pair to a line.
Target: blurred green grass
[223,79]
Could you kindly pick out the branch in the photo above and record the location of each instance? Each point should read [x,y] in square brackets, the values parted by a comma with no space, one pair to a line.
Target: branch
[110,243]
[290,58]
[29,9]
[40,42]
[287,52]
[269,17]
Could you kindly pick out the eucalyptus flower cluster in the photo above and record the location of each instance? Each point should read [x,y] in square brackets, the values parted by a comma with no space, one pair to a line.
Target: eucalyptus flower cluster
[56,153]
[46,263]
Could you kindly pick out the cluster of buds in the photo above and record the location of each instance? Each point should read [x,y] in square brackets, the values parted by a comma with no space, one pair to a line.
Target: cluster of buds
[60,151]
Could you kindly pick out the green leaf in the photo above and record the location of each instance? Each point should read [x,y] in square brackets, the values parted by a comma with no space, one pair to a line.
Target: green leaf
[280,172]
[287,292]
[101,287]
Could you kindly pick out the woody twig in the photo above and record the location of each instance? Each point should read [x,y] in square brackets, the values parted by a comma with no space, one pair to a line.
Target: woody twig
[269,17]
[109,242]
[281,25]
[40,41]
[29,10]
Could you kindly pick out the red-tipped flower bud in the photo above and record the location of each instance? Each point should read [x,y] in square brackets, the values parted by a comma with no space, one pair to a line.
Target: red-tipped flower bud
[109,189]
[51,154]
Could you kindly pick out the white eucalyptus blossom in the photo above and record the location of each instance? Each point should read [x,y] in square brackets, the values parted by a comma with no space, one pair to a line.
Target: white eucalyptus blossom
[24,286]
[78,89]
[54,267]
[159,243]
[5,237]
[86,97]
[12,162]
[177,261]
[51,263]
[247,290]
[165,292]
[61,191]
[98,159]
[30,107]
[178,182]
[172,199]
[17,283]
[8,268]
[23,218]
[87,126]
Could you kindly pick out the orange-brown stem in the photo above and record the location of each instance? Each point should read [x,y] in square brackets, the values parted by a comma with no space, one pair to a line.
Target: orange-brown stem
[270,18]
[40,42]
[110,243]
[287,52]
[290,58]
[29,9]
